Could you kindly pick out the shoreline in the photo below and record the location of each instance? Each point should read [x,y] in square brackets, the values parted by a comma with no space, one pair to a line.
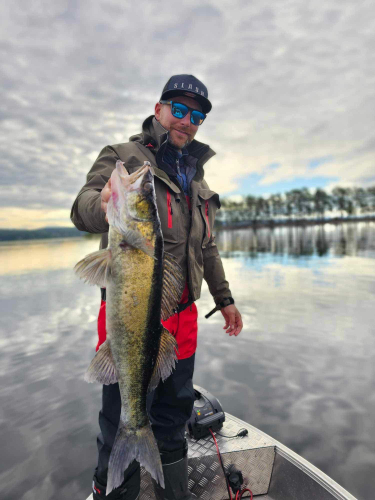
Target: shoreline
[260,224]
[17,235]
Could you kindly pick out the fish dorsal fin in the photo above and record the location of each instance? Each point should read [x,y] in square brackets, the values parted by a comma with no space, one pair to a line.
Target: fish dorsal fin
[166,359]
[102,368]
[173,286]
[95,268]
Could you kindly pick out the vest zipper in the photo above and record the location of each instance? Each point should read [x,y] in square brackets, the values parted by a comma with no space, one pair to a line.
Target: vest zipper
[178,167]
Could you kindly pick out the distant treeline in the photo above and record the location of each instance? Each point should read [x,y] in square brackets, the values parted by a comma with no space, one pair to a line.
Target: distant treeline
[46,232]
[300,203]
[291,206]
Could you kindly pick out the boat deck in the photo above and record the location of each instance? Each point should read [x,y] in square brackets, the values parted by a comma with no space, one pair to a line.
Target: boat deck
[270,470]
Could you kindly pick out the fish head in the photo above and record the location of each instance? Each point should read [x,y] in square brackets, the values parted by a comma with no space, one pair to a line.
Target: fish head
[141,198]
[132,209]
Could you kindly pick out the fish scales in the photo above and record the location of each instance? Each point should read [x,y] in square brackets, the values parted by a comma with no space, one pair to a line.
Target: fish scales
[134,343]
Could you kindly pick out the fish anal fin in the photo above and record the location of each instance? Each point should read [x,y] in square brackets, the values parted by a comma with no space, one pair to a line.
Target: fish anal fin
[95,268]
[166,360]
[102,368]
[173,286]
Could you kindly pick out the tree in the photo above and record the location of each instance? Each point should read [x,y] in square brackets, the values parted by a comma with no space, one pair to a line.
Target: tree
[250,202]
[371,198]
[322,201]
[301,203]
[276,204]
[339,199]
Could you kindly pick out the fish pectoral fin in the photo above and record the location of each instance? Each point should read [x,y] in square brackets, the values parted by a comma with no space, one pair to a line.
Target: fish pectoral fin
[173,286]
[166,359]
[102,368]
[95,268]
[136,240]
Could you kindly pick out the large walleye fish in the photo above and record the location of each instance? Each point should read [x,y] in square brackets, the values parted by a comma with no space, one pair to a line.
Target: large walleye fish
[144,285]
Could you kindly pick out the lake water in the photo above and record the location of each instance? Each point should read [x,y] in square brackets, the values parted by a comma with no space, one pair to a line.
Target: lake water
[302,370]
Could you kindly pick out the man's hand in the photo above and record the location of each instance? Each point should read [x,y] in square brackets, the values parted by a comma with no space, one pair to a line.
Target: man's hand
[105,195]
[233,321]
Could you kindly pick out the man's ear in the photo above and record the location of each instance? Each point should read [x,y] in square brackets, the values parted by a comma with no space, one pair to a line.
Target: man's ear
[157,110]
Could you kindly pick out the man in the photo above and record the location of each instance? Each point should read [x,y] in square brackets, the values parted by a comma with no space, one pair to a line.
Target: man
[187,209]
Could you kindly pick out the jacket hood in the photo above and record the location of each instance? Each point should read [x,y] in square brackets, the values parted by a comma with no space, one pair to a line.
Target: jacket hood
[154,134]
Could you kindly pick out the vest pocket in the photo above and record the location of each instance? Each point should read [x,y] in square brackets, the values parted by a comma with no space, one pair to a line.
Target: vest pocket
[208,203]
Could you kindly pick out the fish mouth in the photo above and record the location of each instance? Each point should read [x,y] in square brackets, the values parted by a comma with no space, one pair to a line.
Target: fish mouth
[133,181]
[144,181]
[141,172]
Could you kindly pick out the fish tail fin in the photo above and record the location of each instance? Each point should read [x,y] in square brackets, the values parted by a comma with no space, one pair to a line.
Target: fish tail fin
[132,445]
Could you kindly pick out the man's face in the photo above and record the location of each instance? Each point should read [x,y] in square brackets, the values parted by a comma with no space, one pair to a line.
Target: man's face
[181,130]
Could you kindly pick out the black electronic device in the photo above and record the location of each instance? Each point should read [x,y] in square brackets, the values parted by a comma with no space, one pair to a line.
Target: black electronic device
[207,414]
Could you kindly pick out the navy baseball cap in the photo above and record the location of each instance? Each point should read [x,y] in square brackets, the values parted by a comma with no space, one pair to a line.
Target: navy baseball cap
[187,85]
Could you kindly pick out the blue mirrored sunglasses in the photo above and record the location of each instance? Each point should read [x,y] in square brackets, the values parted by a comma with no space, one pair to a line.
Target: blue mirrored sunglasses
[179,110]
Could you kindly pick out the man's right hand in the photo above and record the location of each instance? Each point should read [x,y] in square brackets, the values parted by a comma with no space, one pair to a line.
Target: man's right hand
[105,195]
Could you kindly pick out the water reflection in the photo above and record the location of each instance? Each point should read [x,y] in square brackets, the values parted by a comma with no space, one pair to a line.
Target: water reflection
[43,255]
[340,239]
[302,370]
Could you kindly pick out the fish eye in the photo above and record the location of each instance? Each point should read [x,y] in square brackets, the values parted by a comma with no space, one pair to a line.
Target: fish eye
[147,186]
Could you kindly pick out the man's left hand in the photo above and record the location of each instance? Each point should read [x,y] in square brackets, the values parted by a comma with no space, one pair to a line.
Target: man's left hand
[233,321]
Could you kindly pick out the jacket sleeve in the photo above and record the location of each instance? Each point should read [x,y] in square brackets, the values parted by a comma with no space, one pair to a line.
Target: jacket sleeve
[214,272]
[87,214]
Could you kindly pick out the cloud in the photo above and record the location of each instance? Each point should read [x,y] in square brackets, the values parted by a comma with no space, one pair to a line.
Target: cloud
[32,218]
[290,82]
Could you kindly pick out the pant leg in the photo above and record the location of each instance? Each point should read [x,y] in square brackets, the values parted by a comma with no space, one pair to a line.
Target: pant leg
[109,418]
[170,405]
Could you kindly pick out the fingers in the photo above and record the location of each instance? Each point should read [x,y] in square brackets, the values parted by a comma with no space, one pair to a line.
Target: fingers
[230,324]
[104,207]
[233,321]
[226,322]
[233,324]
[106,192]
[105,195]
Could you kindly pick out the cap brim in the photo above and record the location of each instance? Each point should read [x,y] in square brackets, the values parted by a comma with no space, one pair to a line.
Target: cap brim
[203,101]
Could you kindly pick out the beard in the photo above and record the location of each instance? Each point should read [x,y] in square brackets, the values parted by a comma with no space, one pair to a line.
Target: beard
[178,146]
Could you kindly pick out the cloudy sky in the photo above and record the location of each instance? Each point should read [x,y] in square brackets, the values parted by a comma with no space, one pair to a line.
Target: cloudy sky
[291,82]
